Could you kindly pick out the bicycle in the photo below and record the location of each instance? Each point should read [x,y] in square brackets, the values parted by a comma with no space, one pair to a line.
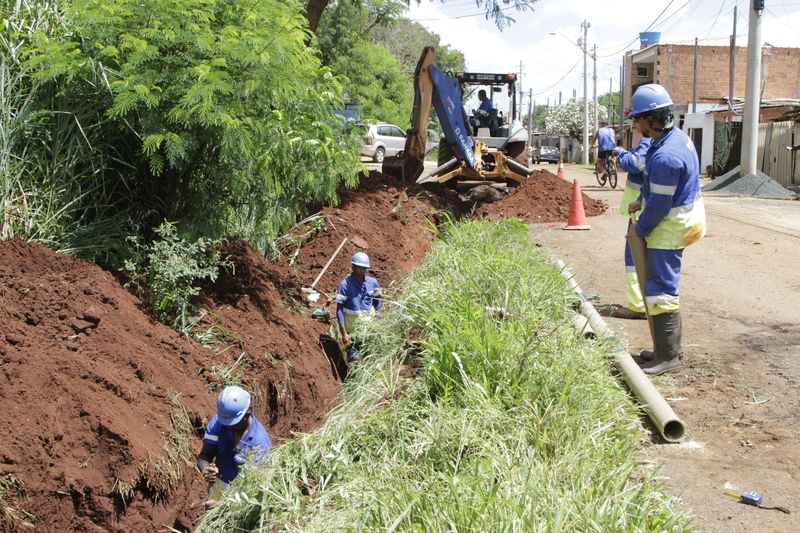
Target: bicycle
[609,173]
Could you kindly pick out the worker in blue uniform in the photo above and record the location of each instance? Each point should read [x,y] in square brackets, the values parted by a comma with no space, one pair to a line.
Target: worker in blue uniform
[233,437]
[633,163]
[357,299]
[672,218]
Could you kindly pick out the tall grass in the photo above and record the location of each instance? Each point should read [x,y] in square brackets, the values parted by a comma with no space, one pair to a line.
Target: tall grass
[52,148]
[477,408]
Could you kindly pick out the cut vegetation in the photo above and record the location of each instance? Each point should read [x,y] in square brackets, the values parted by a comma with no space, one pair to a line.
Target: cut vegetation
[478,408]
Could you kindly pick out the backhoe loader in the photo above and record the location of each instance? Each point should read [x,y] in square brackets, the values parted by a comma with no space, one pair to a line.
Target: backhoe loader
[495,156]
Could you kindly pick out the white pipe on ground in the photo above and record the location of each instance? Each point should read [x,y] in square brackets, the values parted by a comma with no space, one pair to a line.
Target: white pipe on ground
[669,425]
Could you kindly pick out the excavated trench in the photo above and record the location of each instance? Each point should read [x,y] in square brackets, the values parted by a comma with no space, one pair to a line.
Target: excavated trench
[96,396]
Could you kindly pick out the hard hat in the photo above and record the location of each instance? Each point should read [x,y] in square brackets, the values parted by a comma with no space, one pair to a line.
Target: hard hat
[360,259]
[649,98]
[232,405]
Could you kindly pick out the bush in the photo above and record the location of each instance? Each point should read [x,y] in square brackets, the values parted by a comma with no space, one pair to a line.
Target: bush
[211,112]
[171,267]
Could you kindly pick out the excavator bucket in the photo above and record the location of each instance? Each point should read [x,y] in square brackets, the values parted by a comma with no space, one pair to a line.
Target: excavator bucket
[404,168]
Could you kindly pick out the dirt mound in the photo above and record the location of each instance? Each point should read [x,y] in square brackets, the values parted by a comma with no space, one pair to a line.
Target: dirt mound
[89,387]
[543,197]
[93,389]
[381,218]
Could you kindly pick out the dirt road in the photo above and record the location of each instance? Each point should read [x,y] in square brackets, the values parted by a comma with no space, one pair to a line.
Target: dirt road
[739,388]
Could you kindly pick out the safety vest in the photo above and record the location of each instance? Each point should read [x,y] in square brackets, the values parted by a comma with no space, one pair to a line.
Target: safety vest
[673,215]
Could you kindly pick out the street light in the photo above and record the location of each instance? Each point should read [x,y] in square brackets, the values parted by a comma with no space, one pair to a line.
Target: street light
[582,45]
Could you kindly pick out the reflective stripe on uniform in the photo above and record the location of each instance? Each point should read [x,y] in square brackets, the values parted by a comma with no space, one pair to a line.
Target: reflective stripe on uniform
[667,190]
[210,437]
[358,311]
[683,225]
[633,185]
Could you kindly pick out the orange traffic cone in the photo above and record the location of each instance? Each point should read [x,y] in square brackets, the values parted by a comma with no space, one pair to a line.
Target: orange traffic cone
[577,217]
[561,173]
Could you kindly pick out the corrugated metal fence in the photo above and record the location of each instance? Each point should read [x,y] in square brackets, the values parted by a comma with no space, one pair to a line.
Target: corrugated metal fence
[774,159]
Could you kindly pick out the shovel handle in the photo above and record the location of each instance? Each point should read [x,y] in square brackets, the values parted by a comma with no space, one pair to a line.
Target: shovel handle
[328,264]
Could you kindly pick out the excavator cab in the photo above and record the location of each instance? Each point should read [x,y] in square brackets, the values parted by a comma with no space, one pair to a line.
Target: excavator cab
[463,158]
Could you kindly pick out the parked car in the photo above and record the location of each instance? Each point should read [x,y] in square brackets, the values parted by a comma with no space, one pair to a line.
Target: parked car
[549,154]
[382,139]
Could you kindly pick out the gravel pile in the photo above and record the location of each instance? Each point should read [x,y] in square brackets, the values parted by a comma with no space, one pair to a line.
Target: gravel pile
[757,185]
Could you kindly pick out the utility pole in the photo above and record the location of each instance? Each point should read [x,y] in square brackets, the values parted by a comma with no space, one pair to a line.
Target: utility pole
[621,98]
[519,83]
[585,155]
[732,79]
[694,83]
[594,90]
[530,116]
[752,99]
[611,102]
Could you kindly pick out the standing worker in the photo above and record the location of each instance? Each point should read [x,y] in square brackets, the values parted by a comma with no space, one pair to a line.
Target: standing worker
[672,218]
[357,298]
[233,437]
[633,163]
[606,140]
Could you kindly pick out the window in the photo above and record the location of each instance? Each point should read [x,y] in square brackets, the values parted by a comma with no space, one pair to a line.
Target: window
[397,132]
[641,72]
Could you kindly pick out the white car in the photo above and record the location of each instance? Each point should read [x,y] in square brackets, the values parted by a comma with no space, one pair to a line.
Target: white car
[383,139]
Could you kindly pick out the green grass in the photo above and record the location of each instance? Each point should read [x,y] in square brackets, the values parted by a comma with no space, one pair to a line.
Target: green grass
[477,408]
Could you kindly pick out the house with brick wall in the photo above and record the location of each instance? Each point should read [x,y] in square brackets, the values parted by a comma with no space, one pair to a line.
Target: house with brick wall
[672,65]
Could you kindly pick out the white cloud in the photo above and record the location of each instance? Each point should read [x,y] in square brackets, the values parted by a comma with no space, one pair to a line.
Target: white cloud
[614,23]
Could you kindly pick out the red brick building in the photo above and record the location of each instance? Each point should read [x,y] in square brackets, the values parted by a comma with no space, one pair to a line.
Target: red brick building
[672,65]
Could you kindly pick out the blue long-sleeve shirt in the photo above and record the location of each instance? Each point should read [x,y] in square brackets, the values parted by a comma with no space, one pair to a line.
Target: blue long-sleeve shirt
[672,179]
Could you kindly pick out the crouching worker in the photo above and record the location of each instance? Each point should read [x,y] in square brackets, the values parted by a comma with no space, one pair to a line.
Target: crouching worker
[357,298]
[233,437]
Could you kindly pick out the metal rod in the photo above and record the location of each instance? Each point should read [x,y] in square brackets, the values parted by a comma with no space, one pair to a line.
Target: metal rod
[436,171]
[668,424]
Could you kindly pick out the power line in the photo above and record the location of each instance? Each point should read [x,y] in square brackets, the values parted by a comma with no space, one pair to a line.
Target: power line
[635,38]
[560,80]
[721,7]
[461,16]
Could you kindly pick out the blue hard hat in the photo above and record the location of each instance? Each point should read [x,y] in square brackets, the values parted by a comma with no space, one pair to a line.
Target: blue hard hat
[649,98]
[360,259]
[232,405]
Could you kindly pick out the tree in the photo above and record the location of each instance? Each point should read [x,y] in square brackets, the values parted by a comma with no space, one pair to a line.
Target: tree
[496,10]
[220,113]
[567,119]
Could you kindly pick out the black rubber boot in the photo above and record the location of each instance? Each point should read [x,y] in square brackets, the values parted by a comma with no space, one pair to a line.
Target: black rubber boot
[667,329]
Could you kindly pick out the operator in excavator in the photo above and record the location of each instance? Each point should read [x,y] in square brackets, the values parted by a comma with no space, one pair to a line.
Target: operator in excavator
[357,298]
[672,218]
[484,112]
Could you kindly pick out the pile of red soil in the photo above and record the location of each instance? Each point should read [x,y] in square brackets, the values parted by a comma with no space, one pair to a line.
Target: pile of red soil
[88,378]
[387,221]
[543,197]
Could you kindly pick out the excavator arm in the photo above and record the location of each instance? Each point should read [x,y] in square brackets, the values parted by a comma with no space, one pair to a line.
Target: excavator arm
[431,87]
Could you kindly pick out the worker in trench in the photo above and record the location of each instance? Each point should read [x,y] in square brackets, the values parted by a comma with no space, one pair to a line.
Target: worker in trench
[232,438]
[672,218]
[357,298]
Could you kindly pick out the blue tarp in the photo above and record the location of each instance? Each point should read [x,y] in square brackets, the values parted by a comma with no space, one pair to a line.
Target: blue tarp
[447,103]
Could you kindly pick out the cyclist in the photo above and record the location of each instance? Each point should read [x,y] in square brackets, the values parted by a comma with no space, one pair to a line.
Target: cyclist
[605,140]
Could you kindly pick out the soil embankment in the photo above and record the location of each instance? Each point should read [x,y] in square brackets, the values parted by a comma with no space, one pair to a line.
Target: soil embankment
[93,390]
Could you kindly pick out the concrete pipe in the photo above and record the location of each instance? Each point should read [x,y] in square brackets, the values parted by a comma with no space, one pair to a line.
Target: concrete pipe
[664,418]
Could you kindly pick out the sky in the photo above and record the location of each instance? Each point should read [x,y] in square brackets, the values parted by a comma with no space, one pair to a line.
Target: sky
[553,63]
